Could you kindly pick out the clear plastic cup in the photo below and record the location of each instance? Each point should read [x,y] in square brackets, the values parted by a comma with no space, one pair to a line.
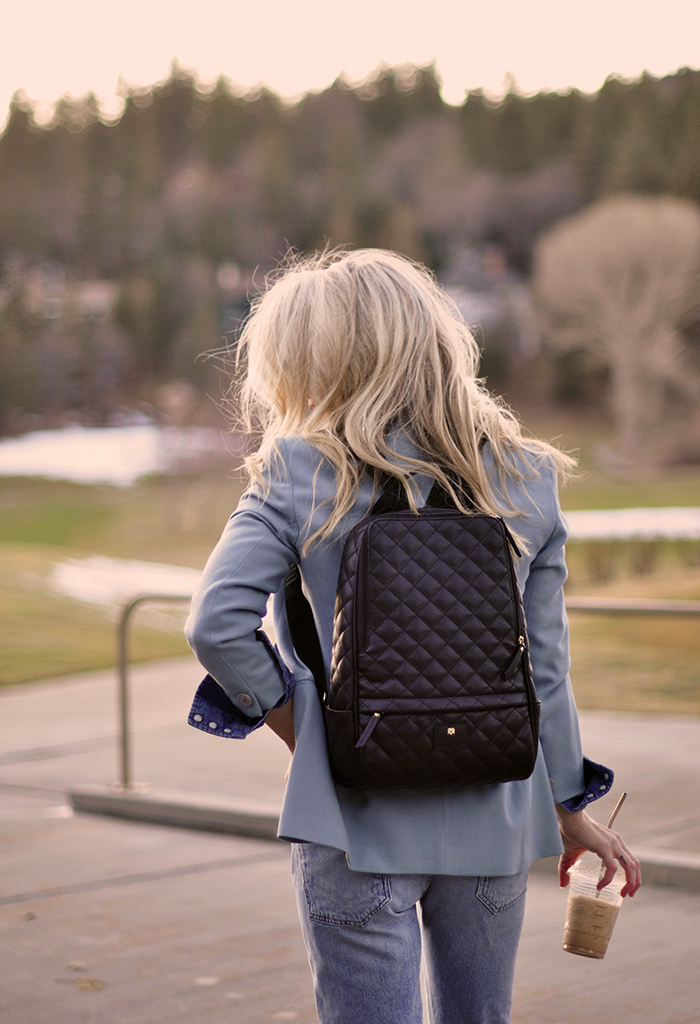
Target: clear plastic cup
[591,914]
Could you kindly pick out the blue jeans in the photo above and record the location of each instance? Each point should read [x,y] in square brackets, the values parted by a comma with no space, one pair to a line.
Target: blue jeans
[363,937]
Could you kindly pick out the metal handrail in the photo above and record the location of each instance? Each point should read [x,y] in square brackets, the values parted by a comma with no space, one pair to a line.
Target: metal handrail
[593,605]
[123,674]
[631,606]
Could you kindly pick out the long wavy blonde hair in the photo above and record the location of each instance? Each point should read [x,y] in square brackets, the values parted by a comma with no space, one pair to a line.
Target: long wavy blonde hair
[344,347]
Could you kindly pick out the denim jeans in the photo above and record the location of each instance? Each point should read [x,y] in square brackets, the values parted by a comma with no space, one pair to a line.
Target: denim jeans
[364,939]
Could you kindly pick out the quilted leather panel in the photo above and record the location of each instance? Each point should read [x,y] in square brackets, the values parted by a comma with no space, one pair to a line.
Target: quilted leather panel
[407,757]
[427,627]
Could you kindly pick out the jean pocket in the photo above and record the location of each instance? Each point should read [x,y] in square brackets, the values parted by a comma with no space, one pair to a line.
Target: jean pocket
[333,893]
[499,892]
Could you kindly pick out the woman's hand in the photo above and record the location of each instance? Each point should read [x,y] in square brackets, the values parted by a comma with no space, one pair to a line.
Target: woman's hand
[580,832]
[281,721]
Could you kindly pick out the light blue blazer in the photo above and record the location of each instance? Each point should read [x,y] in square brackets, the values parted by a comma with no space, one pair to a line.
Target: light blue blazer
[476,830]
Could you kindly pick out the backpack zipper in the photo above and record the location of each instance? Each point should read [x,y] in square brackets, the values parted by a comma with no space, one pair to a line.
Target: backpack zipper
[509,536]
[369,729]
[522,642]
[511,667]
[359,627]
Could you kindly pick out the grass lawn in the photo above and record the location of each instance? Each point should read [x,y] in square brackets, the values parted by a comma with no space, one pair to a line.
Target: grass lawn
[584,437]
[639,663]
[176,520]
[42,522]
[45,635]
[636,664]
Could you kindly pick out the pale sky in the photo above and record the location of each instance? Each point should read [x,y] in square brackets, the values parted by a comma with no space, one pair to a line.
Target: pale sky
[53,47]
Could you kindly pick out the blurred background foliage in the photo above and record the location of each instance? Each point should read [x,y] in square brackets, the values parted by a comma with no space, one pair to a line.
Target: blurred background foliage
[130,246]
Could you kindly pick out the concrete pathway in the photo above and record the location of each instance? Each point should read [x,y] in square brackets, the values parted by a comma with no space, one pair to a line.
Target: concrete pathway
[120,921]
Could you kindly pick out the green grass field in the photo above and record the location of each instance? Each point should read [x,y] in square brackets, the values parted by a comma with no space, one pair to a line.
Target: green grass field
[635,663]
[46,634]
[42,523]
[640,664]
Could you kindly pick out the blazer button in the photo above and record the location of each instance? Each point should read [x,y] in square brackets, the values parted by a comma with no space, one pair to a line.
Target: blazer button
[245,699]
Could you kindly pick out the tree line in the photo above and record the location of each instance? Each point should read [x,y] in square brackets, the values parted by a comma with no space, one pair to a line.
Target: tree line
[191,186]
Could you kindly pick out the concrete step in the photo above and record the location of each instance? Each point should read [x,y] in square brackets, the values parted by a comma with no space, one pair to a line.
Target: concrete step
[184,810]
[676,868]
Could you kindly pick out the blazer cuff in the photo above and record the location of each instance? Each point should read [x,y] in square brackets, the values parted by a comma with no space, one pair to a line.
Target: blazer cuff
[214,712]
[597,780]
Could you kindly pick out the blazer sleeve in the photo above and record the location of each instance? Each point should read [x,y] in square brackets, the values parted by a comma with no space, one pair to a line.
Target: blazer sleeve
[250,562]
[574,779]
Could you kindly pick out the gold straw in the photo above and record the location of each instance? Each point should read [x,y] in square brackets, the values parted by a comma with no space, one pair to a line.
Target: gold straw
[611,819]
[618,805]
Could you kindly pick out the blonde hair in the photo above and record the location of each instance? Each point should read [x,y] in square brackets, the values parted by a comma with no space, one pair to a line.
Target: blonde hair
[343,347]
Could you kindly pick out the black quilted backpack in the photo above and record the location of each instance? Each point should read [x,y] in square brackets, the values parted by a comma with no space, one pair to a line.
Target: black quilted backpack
[430,681]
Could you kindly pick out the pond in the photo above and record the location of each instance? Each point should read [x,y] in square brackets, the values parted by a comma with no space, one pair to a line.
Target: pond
[112,455]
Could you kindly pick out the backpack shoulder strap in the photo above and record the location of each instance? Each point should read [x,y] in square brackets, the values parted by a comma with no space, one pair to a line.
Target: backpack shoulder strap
[302,629]
[393,497]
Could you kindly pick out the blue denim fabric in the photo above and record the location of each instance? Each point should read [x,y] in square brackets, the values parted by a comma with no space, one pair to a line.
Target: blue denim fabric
[363,937]
[597,780]
[214,712]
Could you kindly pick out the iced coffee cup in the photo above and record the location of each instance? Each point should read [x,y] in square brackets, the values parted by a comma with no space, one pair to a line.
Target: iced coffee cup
[591,914]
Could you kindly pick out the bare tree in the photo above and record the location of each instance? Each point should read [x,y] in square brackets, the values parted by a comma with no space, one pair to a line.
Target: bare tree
[619,282]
